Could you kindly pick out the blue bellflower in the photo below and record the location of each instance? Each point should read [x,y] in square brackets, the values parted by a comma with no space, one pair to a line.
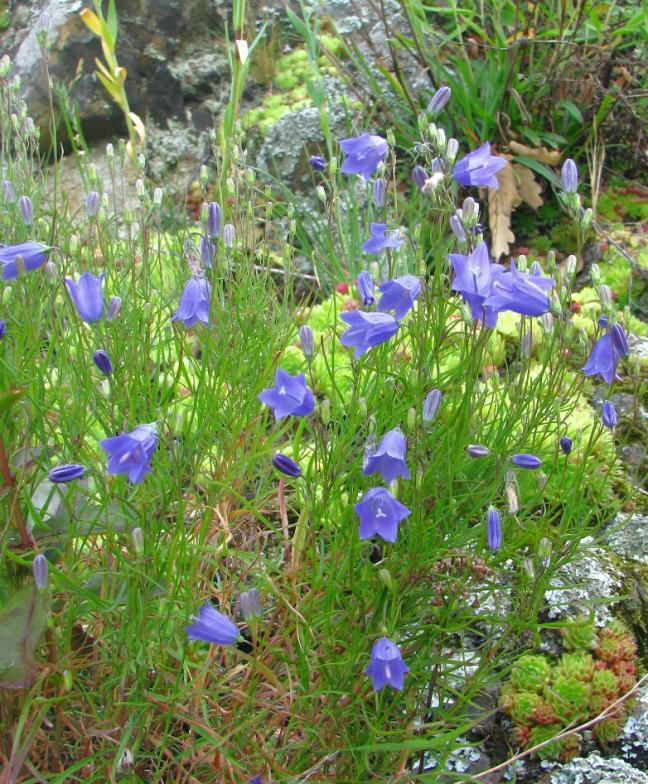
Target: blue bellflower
[194,303]
[439,100]
[102,361]
[284,464]
[379,514]
[399,295]
[32,253]
[365,286]
[367,330]
[387,667]
[479,168]
[569,176]
[420,176]
[317,162]
[431,405]
[525,460]
[289,396]
[66,473]
[3,329]
[363,154]
[87,295]
[566,444]
[494,529]
[520,292]
[212,626]
[474,277]
[380,240]
[214,219]
[130,453]
[388,460]
[609,415]
[607,351]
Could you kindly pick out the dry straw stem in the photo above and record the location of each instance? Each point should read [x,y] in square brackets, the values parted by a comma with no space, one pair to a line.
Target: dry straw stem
[603,715]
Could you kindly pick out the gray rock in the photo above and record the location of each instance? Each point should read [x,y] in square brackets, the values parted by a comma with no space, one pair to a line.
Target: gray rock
[628,536]
[578,586]
[638,346]
[634,738]
[594,769]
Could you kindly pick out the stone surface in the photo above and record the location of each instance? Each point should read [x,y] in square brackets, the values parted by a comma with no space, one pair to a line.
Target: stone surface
[595,769]
[628,536]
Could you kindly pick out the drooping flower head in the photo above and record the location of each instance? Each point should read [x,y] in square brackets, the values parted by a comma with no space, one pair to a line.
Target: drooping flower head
[365,286]
[87,295]
[607,351]
[130,453]
[431,405]
[194,302]
[379,514]
[525,460]
[389,458]
[290,396]
[380,240]
[474,276]
[317,162]
[367,330]
[520,292]
[387,667]
[479,168]
[569,176]
[493,529]
[102,361]
[399,295]
[609,415]
[66,473]
[32,253]
[363,154]
[212,626]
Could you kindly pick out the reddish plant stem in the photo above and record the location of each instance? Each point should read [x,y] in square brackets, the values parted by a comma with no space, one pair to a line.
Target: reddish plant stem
[9,481]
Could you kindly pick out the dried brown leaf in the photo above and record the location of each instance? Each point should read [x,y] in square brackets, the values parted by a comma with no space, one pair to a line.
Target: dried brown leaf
[528,187]
[501,204]
[541,154]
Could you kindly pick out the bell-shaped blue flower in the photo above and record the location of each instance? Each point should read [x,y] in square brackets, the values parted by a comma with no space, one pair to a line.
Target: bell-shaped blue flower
[399,295]
[520,292]
[367,330]
[87,295]
[102,361]
[387,667]
[389,458]
[286,465]
[317,162]
[494,529]
[380,240]
[130,453]
[212,626]
[363,154]
[32,253]
[607,351]
[479,168]
[525,460]
[290,396]
[380,514]
[474,276]
[365,287]
[194,303]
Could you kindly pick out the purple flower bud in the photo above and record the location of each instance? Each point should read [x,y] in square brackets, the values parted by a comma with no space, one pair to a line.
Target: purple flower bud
[619,340]
[525,460]
[569,176]
[284,464]
[207,251]
[431,405]
[419,175]
[250,604]
[439,100]
[114,306]
[566,444]
[102,361]
[494,529]
[452,149]
[379,189]
[609,415]
[40,569]
[3,329]
[26,210]
[229,235]
[9,193]
[66,473]
[92,203]
[365,286]
[457,228]
[214,219]
[307,340]
[602,321]
[478,450]
[318,162]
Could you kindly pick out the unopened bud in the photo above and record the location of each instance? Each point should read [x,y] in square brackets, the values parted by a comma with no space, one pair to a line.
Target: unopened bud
[522,263]
[469,209]
[411,418]
[605,293]
[307,340]
[26,210]
[451,150]
[547,323]
[391,139]
[140,188]
[114,306]
[325,411]
[92,203]
[321,193]
[527,566]
[21,267]
[544,551]
[250,604]
[50,271]
[551,261]
[586,220]
[9,193]
[595,274]
[229,235]
[40,569]
[137,537]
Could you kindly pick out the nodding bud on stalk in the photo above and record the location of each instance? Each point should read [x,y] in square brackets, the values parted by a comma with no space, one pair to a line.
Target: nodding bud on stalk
[9,193]
[307,340]
[551,260]
[26,210]
[595,274]
[325,411]
[535,268]
[458,228]
[379,189]
[92,203]
[511,492]
[451,150]
[50,271]
[586,218]
[439,100]
[431,406]
[544,551]
[478,450]
[158,195]
[114,306]
[469,209]
[250,604]
[321,193]
[419,175]
[547,322]
[137,537]
[605,293]
[229,235]
[40,569]
[214,219]
[569,176]
[140,188]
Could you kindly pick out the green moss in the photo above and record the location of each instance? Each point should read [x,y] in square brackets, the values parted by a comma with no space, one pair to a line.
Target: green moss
[531,674]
